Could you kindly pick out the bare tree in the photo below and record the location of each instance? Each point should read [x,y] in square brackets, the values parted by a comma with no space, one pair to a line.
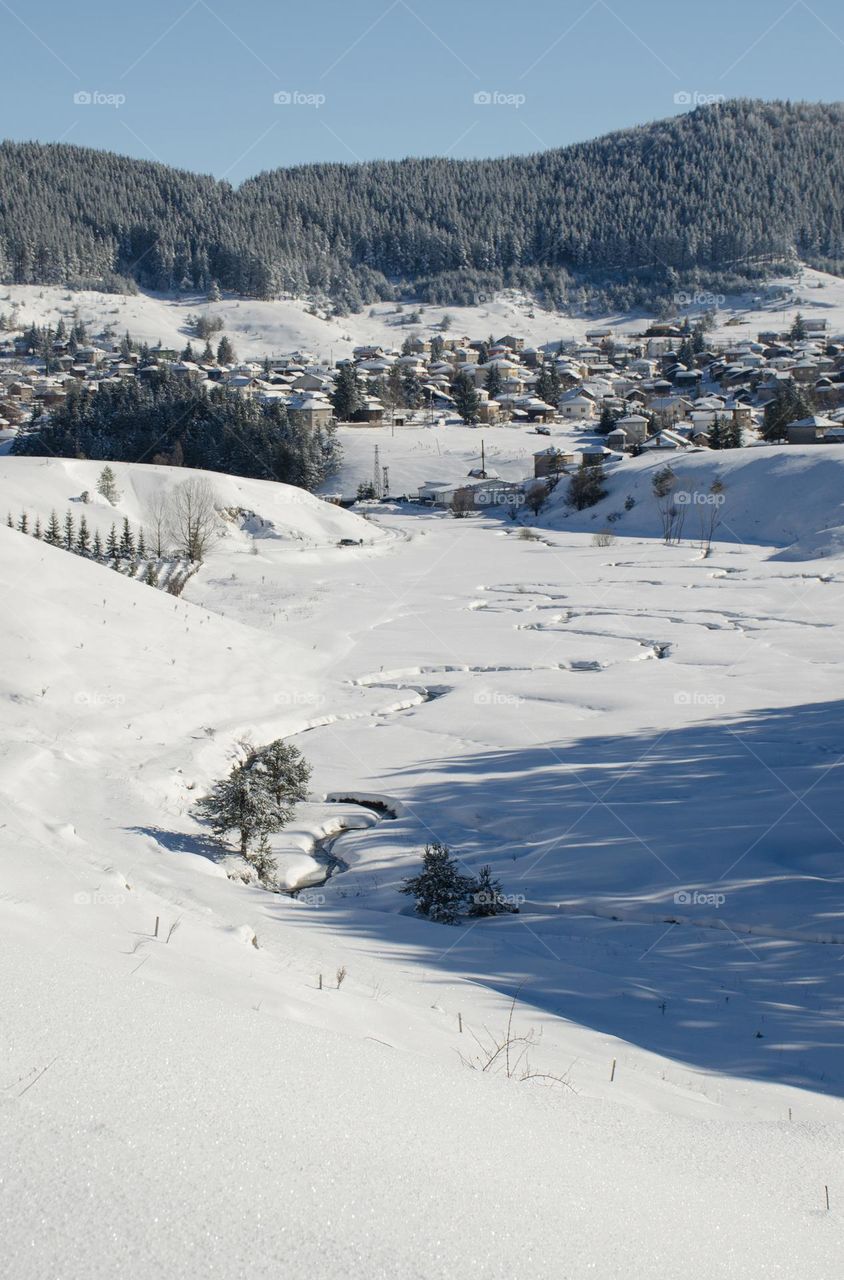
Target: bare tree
[193,517]
[710,515]
[158,513]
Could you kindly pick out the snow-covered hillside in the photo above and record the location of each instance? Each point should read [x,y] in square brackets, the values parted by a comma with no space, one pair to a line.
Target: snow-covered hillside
[273,328]
[645,745]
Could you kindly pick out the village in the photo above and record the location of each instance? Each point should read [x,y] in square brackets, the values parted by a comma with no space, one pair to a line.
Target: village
[585,403]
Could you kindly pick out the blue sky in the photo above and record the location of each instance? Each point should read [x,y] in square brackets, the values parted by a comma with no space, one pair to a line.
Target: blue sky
[194,83]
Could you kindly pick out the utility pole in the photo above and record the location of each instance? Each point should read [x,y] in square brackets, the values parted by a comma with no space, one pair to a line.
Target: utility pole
[377,476]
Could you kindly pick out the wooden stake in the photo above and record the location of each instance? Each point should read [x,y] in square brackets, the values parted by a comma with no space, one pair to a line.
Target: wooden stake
[155,935]
[320,982]
[826,1193]
[612,1071]
[460,1022]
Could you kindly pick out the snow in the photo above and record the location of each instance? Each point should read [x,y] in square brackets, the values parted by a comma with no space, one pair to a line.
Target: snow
[275,328]
[644,744]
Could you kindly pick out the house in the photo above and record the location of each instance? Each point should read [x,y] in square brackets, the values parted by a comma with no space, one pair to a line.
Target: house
[576,407]
[311,410]
[814,430]
[550,462]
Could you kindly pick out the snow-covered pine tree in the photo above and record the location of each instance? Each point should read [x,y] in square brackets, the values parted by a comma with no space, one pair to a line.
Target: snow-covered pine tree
[69,532]
[83,538]
[107,486]
[36,533]
[23,523]
[440,890]
[54,533]
[487,897]
[242,802]
[142,545]
[97,546]
[112,545]
[284,772]
[127,542]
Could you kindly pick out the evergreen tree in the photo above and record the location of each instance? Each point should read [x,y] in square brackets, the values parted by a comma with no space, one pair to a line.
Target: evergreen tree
[54,533]
[715,436]
[284,772]
[83,537]
[440,890]
[587,486]
[112,544]
[127,542]
[493,381]
[97,546]
[798,331]
[69,532]
[607,420]
[142,545]
[548,386]
[37,530]
[487,897]
[150,575]
[412,393]
[10,524]
[346,397]
[789,404]
[466,399]
[258,796]
[225,351]
[107,486]
[23,523]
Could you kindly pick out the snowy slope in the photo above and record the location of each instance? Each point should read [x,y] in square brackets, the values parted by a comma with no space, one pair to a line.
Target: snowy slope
[608,726]
[274,328]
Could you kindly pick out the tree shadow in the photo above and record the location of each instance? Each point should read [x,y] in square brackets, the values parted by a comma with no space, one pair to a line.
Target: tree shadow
[682,890]
[184,842]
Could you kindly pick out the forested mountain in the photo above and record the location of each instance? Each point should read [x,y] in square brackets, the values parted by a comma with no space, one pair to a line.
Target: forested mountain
[712,196]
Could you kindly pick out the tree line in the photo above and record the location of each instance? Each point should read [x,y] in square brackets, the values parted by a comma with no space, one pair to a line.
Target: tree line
[712,199]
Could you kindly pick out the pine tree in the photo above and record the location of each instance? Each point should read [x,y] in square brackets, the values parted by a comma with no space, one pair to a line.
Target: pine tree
[798,331]
[10,524]
[441,892]
[411,389]
[225,351]
[487,897]
[23,523]
[97,546]
[37,530]
[54,533]
[245,803]
[112,544]
[466,399]
[285,773]
[150,575]
[107,486]
[715,435]
[69,532]
[83,537]
[142,545]
[127,542]
[586,487]
[346,397]
[493,381]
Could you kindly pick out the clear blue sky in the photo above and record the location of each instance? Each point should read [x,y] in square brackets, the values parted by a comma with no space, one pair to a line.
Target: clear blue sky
[390,78]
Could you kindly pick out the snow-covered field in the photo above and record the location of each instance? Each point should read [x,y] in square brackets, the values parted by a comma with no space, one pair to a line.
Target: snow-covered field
[273,328]
[646,746]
